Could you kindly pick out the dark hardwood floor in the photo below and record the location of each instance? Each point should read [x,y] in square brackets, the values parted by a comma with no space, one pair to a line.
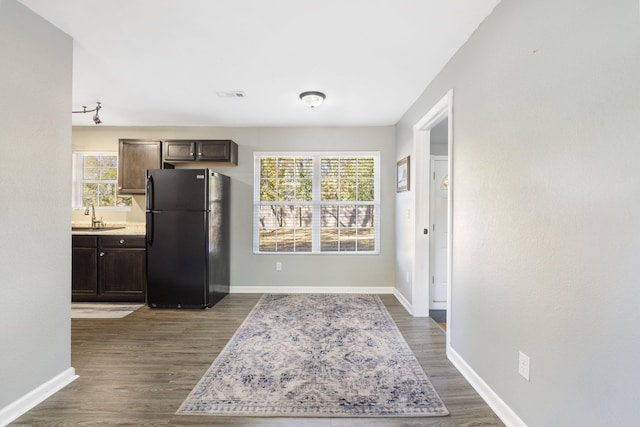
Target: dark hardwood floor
[137,371]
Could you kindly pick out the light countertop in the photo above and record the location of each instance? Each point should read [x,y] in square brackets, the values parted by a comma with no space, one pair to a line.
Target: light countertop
[130,229]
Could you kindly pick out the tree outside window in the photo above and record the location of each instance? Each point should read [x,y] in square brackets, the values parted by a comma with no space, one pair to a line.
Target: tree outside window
[316,202]
[96,180]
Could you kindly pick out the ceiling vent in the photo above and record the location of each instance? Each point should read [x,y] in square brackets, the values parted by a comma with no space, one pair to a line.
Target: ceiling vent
[231,94]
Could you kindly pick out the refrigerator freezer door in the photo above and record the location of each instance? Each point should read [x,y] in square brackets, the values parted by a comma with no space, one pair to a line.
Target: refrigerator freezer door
[177,189]
[177,255]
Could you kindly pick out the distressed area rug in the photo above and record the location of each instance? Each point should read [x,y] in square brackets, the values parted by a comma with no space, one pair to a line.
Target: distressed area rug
[323,355]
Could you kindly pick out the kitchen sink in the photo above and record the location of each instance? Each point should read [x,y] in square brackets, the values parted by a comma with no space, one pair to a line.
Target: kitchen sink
[89,228]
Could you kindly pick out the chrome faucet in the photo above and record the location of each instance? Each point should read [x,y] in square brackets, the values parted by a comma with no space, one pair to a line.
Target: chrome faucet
[94,222]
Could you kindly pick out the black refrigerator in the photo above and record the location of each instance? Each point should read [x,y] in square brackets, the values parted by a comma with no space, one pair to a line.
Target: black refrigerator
[187,214]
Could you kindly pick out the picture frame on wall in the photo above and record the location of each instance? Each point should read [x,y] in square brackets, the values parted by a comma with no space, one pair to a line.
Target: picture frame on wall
[403,176]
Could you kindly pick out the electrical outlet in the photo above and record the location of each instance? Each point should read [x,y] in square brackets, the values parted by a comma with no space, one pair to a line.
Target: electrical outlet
[278,266]
[523,365]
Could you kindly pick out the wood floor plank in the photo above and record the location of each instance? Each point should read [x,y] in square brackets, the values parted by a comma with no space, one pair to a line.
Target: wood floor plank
[136,371]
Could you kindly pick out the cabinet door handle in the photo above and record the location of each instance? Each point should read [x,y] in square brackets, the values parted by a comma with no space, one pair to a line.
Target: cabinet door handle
[101,253]
[121,241]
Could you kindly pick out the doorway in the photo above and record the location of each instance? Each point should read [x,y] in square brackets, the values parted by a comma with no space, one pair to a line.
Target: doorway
[423,293]
[438,213]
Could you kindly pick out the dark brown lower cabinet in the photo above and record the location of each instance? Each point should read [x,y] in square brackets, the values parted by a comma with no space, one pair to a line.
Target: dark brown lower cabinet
[84,274]
[113,270]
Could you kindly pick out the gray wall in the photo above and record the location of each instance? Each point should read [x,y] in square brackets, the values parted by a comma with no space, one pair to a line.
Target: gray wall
[546,200]
[35,253]
[439,138]
[248,269]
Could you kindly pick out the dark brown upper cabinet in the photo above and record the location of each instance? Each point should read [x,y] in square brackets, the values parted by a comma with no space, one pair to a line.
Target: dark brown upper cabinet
[219,151]
[135,156]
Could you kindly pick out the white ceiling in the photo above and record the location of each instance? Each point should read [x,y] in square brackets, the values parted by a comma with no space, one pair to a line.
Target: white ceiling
[162,62]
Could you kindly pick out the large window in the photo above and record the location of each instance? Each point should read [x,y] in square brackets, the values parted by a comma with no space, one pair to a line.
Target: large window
[95,178]
[316,202]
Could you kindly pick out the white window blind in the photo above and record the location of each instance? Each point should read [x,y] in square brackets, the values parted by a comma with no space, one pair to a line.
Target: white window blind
[318,202]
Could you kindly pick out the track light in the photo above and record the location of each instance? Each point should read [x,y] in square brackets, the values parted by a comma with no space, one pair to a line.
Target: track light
[96,117]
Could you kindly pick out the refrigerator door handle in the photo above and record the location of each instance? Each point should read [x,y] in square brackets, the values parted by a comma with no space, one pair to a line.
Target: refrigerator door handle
[149,192]
[149,228]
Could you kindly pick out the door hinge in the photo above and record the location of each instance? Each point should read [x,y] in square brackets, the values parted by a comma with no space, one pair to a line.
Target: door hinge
[433,279]
[434,176]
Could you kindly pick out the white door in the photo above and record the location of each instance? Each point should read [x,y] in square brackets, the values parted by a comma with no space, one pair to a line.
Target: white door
[438,242]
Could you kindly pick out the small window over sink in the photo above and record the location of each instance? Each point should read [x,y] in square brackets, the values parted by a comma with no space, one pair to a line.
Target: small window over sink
[95,181]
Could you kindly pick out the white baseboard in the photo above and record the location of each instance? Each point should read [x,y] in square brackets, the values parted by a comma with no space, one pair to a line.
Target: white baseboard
[30,400]
[310,290]
[405,303]
[502,410]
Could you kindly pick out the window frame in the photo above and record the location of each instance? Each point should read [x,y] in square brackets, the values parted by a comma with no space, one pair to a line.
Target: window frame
[78,182]
[317,203]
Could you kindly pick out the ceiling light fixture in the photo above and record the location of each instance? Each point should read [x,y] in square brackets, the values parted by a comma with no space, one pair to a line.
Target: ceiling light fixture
[96,117]
[312,99]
